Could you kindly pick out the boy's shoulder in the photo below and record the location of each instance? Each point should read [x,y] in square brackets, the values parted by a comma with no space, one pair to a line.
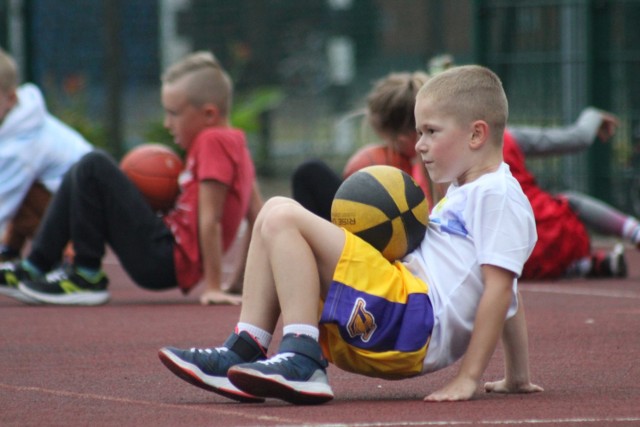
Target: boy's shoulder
[499,184]
[221,132]
[219,139]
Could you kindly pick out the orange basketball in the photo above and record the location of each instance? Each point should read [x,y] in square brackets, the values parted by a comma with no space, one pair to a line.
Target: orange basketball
[376,154]
[154,169]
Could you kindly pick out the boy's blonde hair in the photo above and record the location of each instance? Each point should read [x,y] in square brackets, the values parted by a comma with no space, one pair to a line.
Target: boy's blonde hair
[391,102]
[207,83]
[8,72]
[469,93]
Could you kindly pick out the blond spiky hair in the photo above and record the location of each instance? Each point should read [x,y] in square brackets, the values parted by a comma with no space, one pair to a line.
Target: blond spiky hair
[204,78]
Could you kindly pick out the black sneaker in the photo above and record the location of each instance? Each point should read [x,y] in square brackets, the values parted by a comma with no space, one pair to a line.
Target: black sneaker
[8,255]
[610,265]
[207,368]
[67,286]
[11,274]
[296,374]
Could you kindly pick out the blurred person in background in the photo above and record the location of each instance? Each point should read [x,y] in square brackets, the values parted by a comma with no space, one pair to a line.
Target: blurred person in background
[564,248]
[36,150]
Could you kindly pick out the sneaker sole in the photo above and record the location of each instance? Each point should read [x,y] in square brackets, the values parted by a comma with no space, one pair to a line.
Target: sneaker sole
[276,386]
[194,376]
[77,298]
[16,294]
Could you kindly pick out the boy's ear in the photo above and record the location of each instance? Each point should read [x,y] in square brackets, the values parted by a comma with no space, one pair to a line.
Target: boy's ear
[480,134]
[212,113]
[13,98]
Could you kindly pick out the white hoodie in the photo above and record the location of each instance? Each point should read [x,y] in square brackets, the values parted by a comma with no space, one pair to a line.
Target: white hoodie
[34,146]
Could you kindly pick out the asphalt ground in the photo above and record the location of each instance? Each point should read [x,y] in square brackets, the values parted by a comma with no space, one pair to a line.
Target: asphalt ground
[98,366]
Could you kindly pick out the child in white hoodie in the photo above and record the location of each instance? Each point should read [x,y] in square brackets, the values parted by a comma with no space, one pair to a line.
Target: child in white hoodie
[36,149]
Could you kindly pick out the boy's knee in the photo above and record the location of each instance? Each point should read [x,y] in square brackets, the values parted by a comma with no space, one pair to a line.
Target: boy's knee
[95,160]
[279,213]
[93,156]
[273,204]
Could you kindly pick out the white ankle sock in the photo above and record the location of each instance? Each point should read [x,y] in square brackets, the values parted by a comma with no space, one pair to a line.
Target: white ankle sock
[263,337]
[631,230]
[302,329]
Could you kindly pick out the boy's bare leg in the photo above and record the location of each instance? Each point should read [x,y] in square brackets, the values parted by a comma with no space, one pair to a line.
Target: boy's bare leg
[260,305]
[27,219]
[292,258]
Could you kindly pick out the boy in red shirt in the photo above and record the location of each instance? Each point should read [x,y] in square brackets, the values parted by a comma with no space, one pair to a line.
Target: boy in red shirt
[98,205]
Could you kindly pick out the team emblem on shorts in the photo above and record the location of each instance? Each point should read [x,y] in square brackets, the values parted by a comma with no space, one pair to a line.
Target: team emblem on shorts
[361,322]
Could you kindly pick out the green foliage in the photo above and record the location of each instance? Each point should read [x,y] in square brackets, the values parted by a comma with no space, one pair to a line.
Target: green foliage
[248,109]
[91,130]
[245,114]
[69,104]
[155,132]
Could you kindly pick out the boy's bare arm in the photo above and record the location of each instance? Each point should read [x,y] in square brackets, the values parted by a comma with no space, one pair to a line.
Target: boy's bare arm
[211,195]
[488,326]
[516,356]
[255,204]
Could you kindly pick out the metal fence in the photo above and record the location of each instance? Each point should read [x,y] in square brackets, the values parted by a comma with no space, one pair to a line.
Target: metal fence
[301,67]
[554,58]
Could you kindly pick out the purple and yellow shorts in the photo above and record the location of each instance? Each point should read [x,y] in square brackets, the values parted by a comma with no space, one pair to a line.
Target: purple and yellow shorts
[377,318]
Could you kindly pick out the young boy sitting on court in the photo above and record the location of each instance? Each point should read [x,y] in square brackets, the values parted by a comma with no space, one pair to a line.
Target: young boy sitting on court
[451,298]
[97,205]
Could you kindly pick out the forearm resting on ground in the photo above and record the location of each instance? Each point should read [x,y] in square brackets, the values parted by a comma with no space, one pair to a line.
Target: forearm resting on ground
[516,357]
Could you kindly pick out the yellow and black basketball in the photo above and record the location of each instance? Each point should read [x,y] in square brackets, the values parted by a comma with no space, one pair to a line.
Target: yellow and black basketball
[385,207]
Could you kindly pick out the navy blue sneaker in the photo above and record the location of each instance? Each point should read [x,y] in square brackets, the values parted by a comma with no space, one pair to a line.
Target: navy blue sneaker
[67,286]
[297,374]
[207,368]
[11,275]
[8,255]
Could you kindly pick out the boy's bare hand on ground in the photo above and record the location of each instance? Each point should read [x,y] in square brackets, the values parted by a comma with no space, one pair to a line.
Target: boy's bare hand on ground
[460,388]
[503,387]
[219,297]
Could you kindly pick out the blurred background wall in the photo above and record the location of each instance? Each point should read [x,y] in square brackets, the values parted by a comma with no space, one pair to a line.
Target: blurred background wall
[303,67]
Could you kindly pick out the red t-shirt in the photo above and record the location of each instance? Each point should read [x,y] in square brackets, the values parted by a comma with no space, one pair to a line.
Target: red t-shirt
[562,238]
[218,154]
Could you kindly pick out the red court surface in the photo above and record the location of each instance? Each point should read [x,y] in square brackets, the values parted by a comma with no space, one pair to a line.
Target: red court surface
[98,366]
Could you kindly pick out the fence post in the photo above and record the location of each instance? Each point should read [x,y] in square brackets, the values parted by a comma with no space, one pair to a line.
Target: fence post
[113,76]
[599,93]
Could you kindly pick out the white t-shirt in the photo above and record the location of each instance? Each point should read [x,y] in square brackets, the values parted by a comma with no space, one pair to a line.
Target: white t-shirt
[34,146]
[487,221]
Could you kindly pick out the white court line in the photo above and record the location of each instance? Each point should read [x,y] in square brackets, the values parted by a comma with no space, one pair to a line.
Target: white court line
[288,422]
[488,422]
[212,409]
[588,292]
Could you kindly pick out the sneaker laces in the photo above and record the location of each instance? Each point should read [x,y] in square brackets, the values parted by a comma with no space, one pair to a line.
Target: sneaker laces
[208,350]
[278,358]
[57,275]
[8,265]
